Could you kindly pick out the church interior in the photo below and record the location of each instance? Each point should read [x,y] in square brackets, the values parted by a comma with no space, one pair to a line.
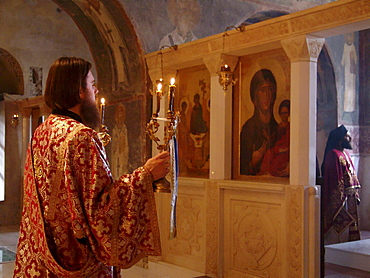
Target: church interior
[231,222]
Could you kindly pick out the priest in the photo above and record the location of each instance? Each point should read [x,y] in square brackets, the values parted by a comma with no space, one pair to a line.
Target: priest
[340,191]
[77,221]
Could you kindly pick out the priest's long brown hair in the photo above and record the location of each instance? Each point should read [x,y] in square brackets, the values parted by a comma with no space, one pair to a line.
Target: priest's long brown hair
[65,79]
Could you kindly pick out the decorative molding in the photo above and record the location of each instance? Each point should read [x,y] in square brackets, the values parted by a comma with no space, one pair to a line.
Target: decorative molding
[295,231]
[314,47]
[191,228]
[330,16]
[303,48]
[213,227]
[255,240]
[254,233]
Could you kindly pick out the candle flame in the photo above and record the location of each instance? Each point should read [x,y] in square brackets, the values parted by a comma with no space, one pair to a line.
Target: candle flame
[102,101]
[172,81]
[159,87]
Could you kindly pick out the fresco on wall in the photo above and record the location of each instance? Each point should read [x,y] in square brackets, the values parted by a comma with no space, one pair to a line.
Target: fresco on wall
[193,129]
[350,68]
[35,81]
[338,87]
[119,147]
[364,80]
[121,76]
[184,16]
[262,111]
[342,51]
[187,20]
[127,147]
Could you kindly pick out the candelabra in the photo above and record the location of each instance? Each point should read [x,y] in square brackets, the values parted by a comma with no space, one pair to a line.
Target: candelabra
[170,125]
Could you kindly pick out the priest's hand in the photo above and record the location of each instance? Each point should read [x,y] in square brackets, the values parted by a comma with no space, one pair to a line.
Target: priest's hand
[159,165]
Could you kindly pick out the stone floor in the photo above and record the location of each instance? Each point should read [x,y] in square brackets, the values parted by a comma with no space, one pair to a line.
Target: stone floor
[354,254]
[9,239]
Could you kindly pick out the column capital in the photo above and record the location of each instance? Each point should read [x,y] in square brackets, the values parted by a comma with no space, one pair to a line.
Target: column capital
[215,62]
[303,48]
[25,112]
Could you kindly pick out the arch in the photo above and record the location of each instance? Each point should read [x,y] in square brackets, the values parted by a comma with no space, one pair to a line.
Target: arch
[262,16]
[326,103]
[120,65]
[113,43]
[11,78]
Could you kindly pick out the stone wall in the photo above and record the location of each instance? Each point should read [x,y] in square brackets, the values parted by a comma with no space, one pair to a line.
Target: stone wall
[35,33]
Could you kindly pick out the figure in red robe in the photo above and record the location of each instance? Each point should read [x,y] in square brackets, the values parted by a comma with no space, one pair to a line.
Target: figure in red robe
[276,159]
[77,221]
[340,190]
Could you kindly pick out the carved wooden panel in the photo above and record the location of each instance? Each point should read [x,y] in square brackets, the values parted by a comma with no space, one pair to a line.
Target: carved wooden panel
[188,249]
[254,230]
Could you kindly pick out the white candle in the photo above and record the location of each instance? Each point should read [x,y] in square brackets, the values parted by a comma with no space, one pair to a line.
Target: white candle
[159,96]
[159,88]
[171,94]
[102,101]
[225,68]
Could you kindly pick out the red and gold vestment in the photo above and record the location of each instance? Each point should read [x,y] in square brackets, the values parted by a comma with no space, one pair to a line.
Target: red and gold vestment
[340,197]
[77,221]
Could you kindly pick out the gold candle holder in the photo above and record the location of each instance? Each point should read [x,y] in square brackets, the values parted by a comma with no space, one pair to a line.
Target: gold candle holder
[170,124]
[226,77]
[103,134]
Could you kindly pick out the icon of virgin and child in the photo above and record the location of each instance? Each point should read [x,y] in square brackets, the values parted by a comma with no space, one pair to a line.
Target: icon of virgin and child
[264,143]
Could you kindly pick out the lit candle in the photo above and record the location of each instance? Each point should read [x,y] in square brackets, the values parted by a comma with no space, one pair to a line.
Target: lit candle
[159,95]
[159,87]
[225,68]
[171,94]
[102,107]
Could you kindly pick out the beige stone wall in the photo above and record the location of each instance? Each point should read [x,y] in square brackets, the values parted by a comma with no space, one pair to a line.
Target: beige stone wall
[38,32]
[35,33]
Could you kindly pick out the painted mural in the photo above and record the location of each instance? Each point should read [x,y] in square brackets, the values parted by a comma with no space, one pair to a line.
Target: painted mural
[180,21]
[184,16]
[35,81]
[121,78]
[124,118]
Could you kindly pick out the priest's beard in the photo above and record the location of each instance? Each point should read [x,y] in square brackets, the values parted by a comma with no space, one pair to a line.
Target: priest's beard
[90,114]
[346,145]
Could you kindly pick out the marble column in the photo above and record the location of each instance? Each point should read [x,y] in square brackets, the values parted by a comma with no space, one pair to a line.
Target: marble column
[303,52]
[221,118]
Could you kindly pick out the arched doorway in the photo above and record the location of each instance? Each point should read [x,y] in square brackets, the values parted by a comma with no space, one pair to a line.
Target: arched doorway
[120,65]
[11,84]
[11,78]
